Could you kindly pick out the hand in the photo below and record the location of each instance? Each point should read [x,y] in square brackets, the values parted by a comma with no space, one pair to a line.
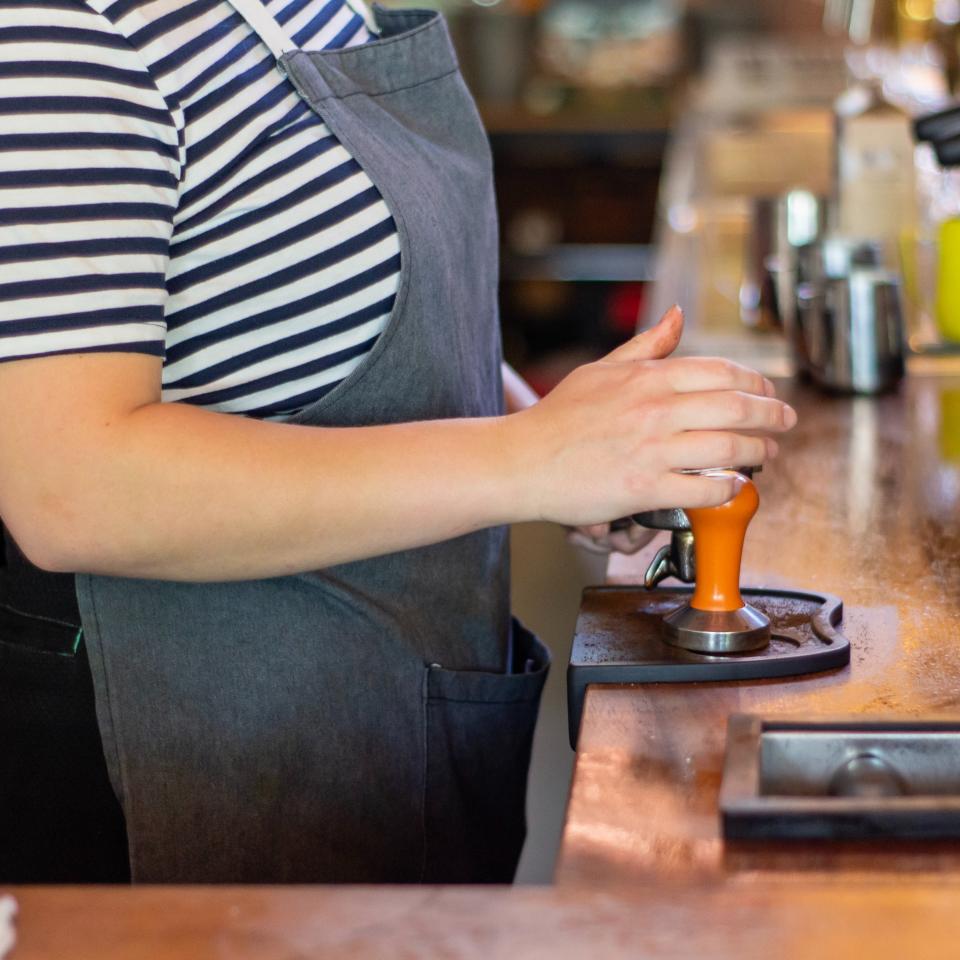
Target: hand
[600,538]
[610,439]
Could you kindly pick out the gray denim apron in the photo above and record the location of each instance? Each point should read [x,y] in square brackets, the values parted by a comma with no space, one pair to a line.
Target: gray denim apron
[369,722]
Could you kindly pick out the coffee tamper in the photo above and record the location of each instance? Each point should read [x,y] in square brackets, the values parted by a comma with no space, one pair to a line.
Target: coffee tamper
[706,547]
[716,619]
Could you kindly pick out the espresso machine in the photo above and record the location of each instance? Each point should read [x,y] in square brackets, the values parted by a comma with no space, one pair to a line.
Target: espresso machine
[712,631]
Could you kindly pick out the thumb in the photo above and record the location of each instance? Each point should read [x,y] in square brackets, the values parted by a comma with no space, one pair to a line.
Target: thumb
[653,344]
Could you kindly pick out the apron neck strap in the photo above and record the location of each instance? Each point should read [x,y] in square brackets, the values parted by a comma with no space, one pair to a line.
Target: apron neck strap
[263,24]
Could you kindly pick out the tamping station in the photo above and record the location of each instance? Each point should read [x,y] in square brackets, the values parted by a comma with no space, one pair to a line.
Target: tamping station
[651,634]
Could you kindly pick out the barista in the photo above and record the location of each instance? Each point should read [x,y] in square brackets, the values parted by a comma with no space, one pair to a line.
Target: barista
[256,441]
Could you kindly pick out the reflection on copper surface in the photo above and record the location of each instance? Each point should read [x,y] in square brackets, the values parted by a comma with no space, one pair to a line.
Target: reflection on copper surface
[862,471]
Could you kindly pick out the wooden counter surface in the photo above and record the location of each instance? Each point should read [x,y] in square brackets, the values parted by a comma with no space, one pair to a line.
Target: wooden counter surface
[886,921]
[863,502]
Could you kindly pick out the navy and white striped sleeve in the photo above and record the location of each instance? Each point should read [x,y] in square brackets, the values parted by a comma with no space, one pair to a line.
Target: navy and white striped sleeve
[89,172]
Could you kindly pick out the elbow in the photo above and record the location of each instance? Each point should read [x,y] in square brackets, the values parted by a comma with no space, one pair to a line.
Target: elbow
[50,541]
[50,556]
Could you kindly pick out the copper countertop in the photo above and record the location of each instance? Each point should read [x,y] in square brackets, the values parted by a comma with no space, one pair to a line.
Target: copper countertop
[863,502]
[722,922]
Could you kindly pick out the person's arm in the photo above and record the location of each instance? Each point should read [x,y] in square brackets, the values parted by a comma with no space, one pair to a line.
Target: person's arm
[97,475]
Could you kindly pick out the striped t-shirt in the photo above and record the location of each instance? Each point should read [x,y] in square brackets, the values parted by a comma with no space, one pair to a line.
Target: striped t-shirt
[165,190]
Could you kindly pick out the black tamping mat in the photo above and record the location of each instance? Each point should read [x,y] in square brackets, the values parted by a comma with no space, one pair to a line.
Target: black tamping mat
[620,639]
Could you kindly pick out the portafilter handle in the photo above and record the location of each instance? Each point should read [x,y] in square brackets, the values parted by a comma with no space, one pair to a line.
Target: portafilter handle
[673,559]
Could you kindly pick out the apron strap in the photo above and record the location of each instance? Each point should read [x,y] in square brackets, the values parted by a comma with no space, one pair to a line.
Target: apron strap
[265,26]
[360,8]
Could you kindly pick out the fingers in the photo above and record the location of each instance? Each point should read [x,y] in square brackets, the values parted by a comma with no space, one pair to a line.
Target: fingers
[696,375]
[577,539]
[730,410]
[595,531]
[653,344]
[599,538]
[696,450]
[690,490]
[630,540]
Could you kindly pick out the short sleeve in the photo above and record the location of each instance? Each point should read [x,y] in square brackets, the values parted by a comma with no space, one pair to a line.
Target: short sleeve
[89,174]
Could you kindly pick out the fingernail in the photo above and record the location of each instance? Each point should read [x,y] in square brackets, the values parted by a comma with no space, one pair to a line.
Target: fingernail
[769,388]
[789,416]
[773,449]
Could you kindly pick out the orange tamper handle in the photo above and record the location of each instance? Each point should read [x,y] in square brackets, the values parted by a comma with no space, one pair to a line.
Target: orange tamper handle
[718,535]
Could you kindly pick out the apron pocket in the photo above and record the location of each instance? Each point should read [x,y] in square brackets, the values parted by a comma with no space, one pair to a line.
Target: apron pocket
[479,732]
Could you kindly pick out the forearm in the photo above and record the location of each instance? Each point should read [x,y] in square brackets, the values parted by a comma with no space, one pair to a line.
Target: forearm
[174,492]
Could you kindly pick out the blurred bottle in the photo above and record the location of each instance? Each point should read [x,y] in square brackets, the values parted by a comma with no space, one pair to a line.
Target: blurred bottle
[950,426]
[875,189]
[495,42]
[875,180]
[947,40]
[938,156]
[916,21]
[886,189]
[948,279]
[864,22]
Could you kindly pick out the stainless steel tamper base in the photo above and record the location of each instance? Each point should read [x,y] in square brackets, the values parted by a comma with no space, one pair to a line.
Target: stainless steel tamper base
[713,631]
